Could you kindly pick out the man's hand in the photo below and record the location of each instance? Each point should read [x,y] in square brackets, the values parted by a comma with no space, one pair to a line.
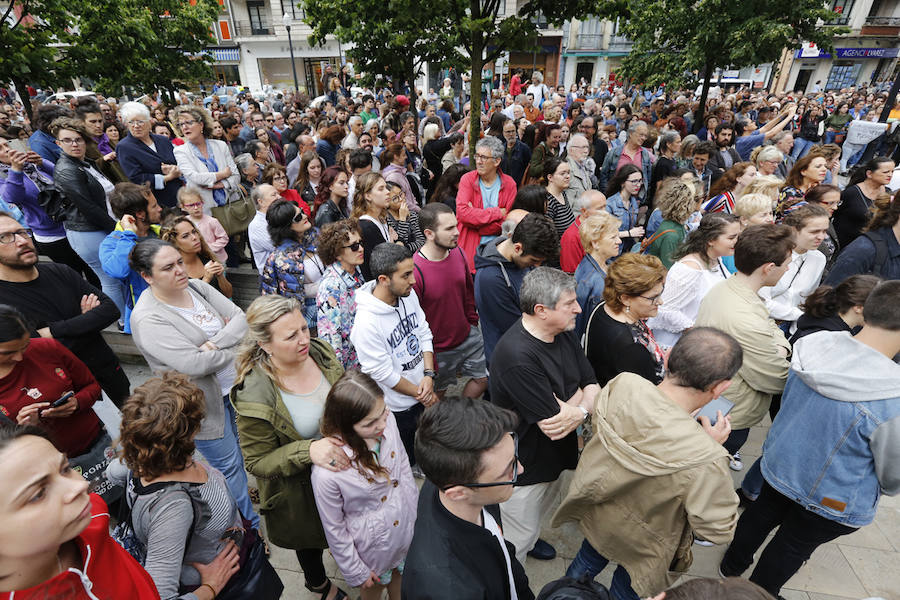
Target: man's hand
[563,423]
[425,392]
[17,160]
[88,302]
[721,430]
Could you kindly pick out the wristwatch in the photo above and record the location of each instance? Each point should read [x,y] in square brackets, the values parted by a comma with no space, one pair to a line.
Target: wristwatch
[585,412]
[430,373]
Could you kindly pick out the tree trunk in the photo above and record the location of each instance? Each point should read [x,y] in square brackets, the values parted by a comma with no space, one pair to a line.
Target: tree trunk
[709,68]
[475,84]
[22,88]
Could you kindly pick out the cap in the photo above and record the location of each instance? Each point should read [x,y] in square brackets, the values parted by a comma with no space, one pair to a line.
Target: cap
[403,100]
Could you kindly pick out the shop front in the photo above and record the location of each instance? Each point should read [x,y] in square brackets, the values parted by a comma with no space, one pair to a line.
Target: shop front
[847,67]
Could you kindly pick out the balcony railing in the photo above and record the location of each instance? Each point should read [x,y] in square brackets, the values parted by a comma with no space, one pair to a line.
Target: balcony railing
[248,28]
[620,43]
[883,21]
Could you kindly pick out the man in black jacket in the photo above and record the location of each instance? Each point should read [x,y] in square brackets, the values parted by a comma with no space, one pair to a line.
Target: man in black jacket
[725,156]
[458,550]
[60,304]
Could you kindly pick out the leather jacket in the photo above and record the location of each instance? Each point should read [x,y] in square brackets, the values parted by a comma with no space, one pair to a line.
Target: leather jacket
[85,197]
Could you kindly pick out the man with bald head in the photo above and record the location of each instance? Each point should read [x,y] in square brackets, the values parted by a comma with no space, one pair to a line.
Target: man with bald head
[590,202]
[257,232]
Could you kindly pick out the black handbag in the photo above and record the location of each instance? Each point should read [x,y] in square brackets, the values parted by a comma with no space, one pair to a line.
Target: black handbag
[257,578]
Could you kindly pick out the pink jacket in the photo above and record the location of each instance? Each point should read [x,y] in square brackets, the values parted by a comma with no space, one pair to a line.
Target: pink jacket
[475,220]
[215,236]
[369,526]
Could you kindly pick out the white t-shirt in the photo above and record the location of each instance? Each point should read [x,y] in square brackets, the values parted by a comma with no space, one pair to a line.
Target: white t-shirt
[211,324]
[491,525]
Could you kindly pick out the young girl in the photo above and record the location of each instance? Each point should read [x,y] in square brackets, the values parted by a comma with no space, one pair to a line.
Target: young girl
[191,202]
[368,511]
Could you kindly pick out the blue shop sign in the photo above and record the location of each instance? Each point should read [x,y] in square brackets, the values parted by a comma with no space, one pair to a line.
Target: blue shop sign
[851,53]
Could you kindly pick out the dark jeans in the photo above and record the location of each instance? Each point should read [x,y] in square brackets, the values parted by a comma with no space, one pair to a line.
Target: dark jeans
[736,439]
[407,422]
[61,252]
[114,382]
[310,560]
[799,533]
[590,562]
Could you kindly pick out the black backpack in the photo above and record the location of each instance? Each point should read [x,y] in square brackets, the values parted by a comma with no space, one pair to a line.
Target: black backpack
[569,588]
[881,251]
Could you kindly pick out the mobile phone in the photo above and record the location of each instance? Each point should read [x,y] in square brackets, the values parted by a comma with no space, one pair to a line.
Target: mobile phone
[62,400]
[19,145]
[713,406]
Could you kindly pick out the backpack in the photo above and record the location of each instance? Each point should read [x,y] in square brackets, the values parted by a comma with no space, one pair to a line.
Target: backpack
[569,588]
[881,251]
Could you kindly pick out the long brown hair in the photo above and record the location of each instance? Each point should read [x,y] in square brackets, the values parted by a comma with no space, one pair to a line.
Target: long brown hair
[364,184]
[729,179]
[323,194]
[887,212]
[169,234]
[349,401]
[303,175]
[795,177]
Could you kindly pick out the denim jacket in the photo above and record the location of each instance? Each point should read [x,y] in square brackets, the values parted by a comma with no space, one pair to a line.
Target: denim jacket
[834,447]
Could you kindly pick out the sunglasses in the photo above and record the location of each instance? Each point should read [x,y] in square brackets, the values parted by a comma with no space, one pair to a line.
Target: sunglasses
[299,217]
[355,246]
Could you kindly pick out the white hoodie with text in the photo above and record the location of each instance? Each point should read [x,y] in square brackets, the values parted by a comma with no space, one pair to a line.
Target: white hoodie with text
[390,342]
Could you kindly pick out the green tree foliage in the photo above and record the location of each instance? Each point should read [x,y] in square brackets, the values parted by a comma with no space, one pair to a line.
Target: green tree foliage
[30,33]
[145,44]
[678,42]
[448,32]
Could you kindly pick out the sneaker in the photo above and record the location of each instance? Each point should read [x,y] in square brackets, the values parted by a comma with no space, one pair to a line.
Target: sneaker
[700,542]
[735,462]
[417,472]
[542,550]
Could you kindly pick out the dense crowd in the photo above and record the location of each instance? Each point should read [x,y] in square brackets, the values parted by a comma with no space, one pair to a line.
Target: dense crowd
[608,286]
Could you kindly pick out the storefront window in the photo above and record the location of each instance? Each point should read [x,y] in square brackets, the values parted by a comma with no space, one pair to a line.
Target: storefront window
[843,74]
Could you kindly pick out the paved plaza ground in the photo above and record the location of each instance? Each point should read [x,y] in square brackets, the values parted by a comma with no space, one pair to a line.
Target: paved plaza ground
[857,566]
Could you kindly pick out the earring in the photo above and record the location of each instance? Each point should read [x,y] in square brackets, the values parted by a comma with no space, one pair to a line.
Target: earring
[627,309]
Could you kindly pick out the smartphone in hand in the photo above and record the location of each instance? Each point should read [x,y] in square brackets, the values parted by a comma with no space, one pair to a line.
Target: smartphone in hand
[62,400]
[711,408]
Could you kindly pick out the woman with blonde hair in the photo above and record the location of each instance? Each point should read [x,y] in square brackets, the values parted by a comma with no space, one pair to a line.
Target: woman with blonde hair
[600,238]
[677,202]
[767,185]
[766,159]
[370,206]
[754,209]
[283,378]
[617,339]
[199,260]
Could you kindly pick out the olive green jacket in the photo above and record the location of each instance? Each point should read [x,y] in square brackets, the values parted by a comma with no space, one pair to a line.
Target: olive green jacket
[278,457]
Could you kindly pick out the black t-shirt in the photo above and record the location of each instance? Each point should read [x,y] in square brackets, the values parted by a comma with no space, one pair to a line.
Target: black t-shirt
[54,300]
[612,348]
[525,375]
[852,214]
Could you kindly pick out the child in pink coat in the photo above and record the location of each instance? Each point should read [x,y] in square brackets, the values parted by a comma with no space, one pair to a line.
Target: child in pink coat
[191,202]
[368,511]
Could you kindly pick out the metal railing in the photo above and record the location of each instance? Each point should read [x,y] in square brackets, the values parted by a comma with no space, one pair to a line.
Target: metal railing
[589,41]
[883,21]
[248,28]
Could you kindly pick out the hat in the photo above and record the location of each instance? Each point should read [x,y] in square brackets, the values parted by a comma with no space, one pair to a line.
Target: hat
[403,100]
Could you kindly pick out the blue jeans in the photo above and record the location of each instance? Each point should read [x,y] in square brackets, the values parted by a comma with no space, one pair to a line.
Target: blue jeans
[753,480]
[224,454]
[829,136]
[86,244]
[590,562]
[801,147]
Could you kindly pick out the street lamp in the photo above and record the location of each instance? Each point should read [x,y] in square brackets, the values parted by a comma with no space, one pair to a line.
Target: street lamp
[286,19]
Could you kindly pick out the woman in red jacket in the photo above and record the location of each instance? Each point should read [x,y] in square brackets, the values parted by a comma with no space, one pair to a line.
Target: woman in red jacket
[55,538]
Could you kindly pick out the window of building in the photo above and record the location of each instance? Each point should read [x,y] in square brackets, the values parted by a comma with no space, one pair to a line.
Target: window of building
[290,7]
[842,8]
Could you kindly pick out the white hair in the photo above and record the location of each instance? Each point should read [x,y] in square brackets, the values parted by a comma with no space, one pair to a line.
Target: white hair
[354,120]
[130,110]
[537,77]
[430,132]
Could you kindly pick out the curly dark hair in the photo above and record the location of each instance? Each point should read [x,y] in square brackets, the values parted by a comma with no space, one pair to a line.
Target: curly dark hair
[333,237]
[159,422]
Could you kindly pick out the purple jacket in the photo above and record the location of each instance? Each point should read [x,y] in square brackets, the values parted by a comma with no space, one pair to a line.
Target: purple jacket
[20,190]
[369,526]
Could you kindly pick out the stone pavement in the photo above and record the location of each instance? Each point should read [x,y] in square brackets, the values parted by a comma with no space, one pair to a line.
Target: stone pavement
[861,565]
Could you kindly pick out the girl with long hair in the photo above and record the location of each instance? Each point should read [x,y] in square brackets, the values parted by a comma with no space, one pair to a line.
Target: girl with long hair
[729,187]
[309,176]
[370,206]
[368,511]
[330,204]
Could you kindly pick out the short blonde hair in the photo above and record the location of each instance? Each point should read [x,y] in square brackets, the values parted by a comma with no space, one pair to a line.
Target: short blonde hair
[595,227]
[750,204]
[767,153]
[767,185]
[631,274]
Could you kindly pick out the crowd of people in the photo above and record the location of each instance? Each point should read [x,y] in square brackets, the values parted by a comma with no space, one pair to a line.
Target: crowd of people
[595,291]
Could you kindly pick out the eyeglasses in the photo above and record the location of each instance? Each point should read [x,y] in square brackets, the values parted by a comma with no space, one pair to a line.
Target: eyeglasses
[137,122]
[270,120]
[192,205]
[355,246]
[8,237]
[635,181]
[71,141]
[279,178]
[299,217]
[482,157]
[514,465]
[187,123]
[657,299]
